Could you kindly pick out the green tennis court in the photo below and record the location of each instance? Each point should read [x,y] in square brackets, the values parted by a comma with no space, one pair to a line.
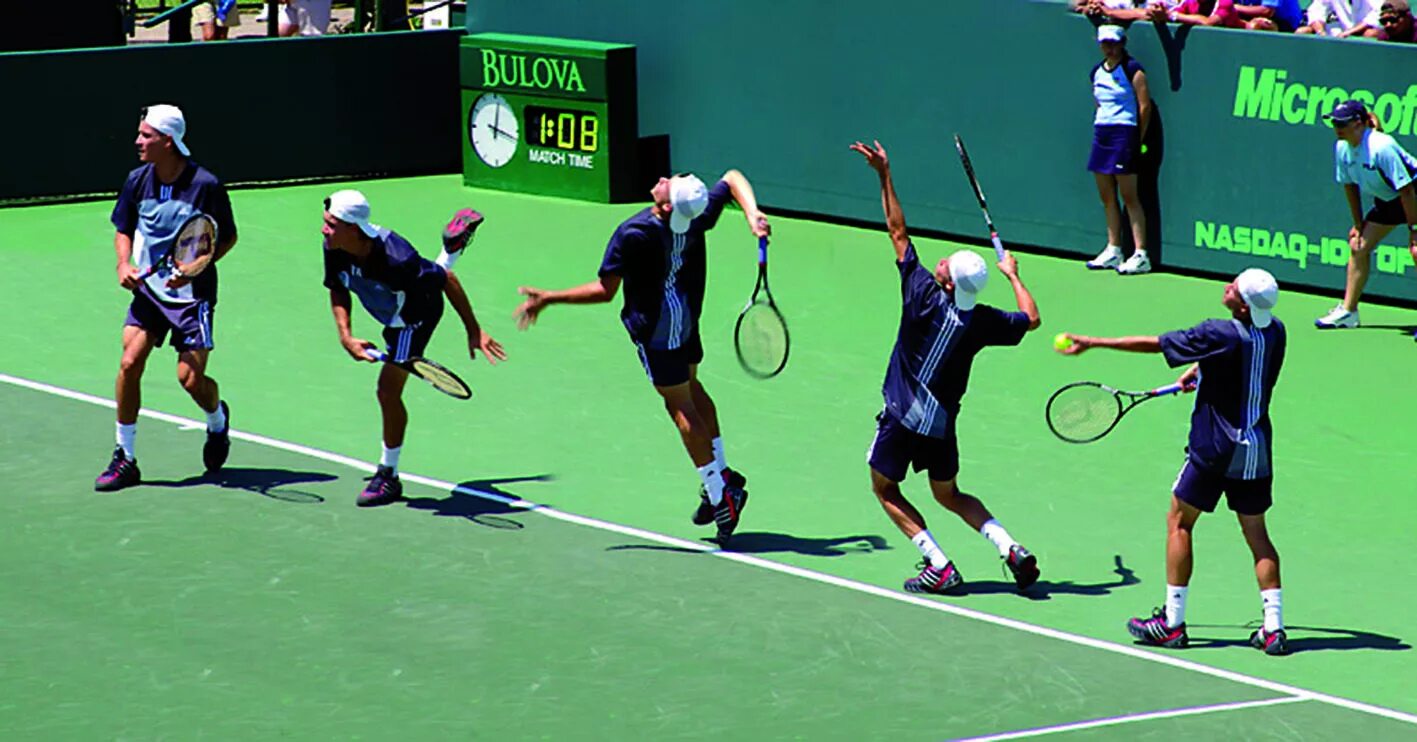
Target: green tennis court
[542,580]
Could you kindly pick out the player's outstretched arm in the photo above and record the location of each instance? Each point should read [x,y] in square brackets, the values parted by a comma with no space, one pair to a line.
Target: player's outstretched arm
[477,338]
[599,291]
[742,192]
[1133,344]
[895,219]
[355,347]
[1009,267]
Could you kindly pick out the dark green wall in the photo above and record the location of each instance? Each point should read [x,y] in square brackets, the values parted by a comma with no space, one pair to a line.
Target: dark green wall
[257,110]
[779,89]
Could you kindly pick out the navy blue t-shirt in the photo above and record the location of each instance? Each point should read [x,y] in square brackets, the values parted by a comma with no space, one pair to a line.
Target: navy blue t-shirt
[151,212]
[935,347]
[394,283]
[662,273]
[1239,364]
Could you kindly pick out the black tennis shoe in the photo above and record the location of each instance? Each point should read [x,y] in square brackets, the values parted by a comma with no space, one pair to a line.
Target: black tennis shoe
[383,488]
[728,511]
[218,444]
[934,580]
[1155,632]
[1024,566]
[703,515]
[1273,644]
[121,472]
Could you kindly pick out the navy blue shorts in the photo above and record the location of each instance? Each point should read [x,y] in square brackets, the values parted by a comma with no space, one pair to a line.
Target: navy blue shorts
[190,324]
[410,341]
[1387,213]
[1114,149]
[897,447]
[671,367]
[1202,490]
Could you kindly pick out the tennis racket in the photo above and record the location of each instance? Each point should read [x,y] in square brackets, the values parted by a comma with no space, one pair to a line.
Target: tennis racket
[760,337]
[436,374]
[979,194]
[192,249]
[1084,411]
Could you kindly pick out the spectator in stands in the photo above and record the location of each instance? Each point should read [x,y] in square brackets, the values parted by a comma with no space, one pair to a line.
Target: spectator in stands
[1119,127]
[1198,13]
[1397,22]
[214,18]
[1110,11]
[304,17]
[1342,18]
[1272,15]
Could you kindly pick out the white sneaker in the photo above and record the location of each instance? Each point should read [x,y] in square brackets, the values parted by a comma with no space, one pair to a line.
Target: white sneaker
[1110,257]
[1338,317]
[1137,264]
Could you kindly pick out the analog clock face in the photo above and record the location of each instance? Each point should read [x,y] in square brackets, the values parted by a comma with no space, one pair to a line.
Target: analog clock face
[493,130]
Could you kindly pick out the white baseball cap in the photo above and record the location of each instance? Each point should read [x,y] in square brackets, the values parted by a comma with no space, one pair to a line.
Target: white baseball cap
[1110,32]
[969,274]
[351,206]
[168,120]
[688,198]
[1260,292]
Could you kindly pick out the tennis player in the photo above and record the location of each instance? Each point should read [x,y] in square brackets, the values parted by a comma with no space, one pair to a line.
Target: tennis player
[1369,162]
[404,293]
[942,328]
[659,254]
[156,199]
[1236,363]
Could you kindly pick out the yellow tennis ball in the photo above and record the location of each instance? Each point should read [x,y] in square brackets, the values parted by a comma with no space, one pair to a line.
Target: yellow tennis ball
[1061,341]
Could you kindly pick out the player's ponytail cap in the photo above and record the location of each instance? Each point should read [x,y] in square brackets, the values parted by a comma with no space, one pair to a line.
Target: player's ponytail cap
[1260,292]
[969,274]
[688,198]
[168,120]
[353,207]
[1110,32]
[1346,112]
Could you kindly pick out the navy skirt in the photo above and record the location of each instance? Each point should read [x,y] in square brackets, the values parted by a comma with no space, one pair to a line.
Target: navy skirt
[1114,149]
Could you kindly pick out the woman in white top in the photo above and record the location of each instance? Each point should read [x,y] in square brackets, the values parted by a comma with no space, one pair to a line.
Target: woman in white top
[1372,164]
[1342,18]
[1119,127]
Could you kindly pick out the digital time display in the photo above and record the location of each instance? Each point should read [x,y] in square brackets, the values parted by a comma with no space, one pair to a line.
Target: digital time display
[562,128]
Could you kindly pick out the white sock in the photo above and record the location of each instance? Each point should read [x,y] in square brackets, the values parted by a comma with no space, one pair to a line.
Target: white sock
[216,421]
[718,454]
[1175,605]
[712,477]
[446,260]
[390,456]
[998,536]
[126,437]
[929,549]
[1273,610]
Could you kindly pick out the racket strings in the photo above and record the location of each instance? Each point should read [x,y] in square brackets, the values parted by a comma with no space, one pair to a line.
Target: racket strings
[194,247]
[441,379]
[762,340]
[1083,413]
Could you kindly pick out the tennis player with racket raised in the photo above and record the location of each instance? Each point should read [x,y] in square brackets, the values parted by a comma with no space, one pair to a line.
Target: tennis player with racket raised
[659,255]
[942,328]
[168,202]
[1235,363]
[404,292]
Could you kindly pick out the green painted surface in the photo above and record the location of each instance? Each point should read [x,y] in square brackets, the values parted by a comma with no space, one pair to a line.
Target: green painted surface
[173,610]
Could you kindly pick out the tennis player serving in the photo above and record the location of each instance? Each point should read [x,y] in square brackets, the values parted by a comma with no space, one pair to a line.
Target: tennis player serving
[942,328]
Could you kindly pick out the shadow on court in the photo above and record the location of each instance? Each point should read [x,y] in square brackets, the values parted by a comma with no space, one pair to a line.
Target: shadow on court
[1400,329]
[1045,589]
[276,484]
[1326,639]
[762,542]
[480,510]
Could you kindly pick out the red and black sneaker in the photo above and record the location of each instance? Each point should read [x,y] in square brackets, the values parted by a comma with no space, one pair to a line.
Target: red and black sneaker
[460,230]
[1270,643]
[383,488]
[934,580]
[1024,566]
[1155,632]
[121,472]
[728,511]
[703,515]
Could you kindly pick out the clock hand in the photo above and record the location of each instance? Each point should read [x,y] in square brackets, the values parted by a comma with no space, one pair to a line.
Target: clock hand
[495,130]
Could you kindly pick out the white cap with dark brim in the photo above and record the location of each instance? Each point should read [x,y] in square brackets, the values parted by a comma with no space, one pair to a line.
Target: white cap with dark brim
[169,120]
[969,273]
[687,200]
[1260,292]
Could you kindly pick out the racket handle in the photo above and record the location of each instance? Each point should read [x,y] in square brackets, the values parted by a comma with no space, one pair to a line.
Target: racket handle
[376,354]
[998,246]
[1165,390]
[762,251]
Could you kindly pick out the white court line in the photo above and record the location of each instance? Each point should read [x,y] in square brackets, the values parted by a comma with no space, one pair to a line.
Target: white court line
[1129,718]
[860,587]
